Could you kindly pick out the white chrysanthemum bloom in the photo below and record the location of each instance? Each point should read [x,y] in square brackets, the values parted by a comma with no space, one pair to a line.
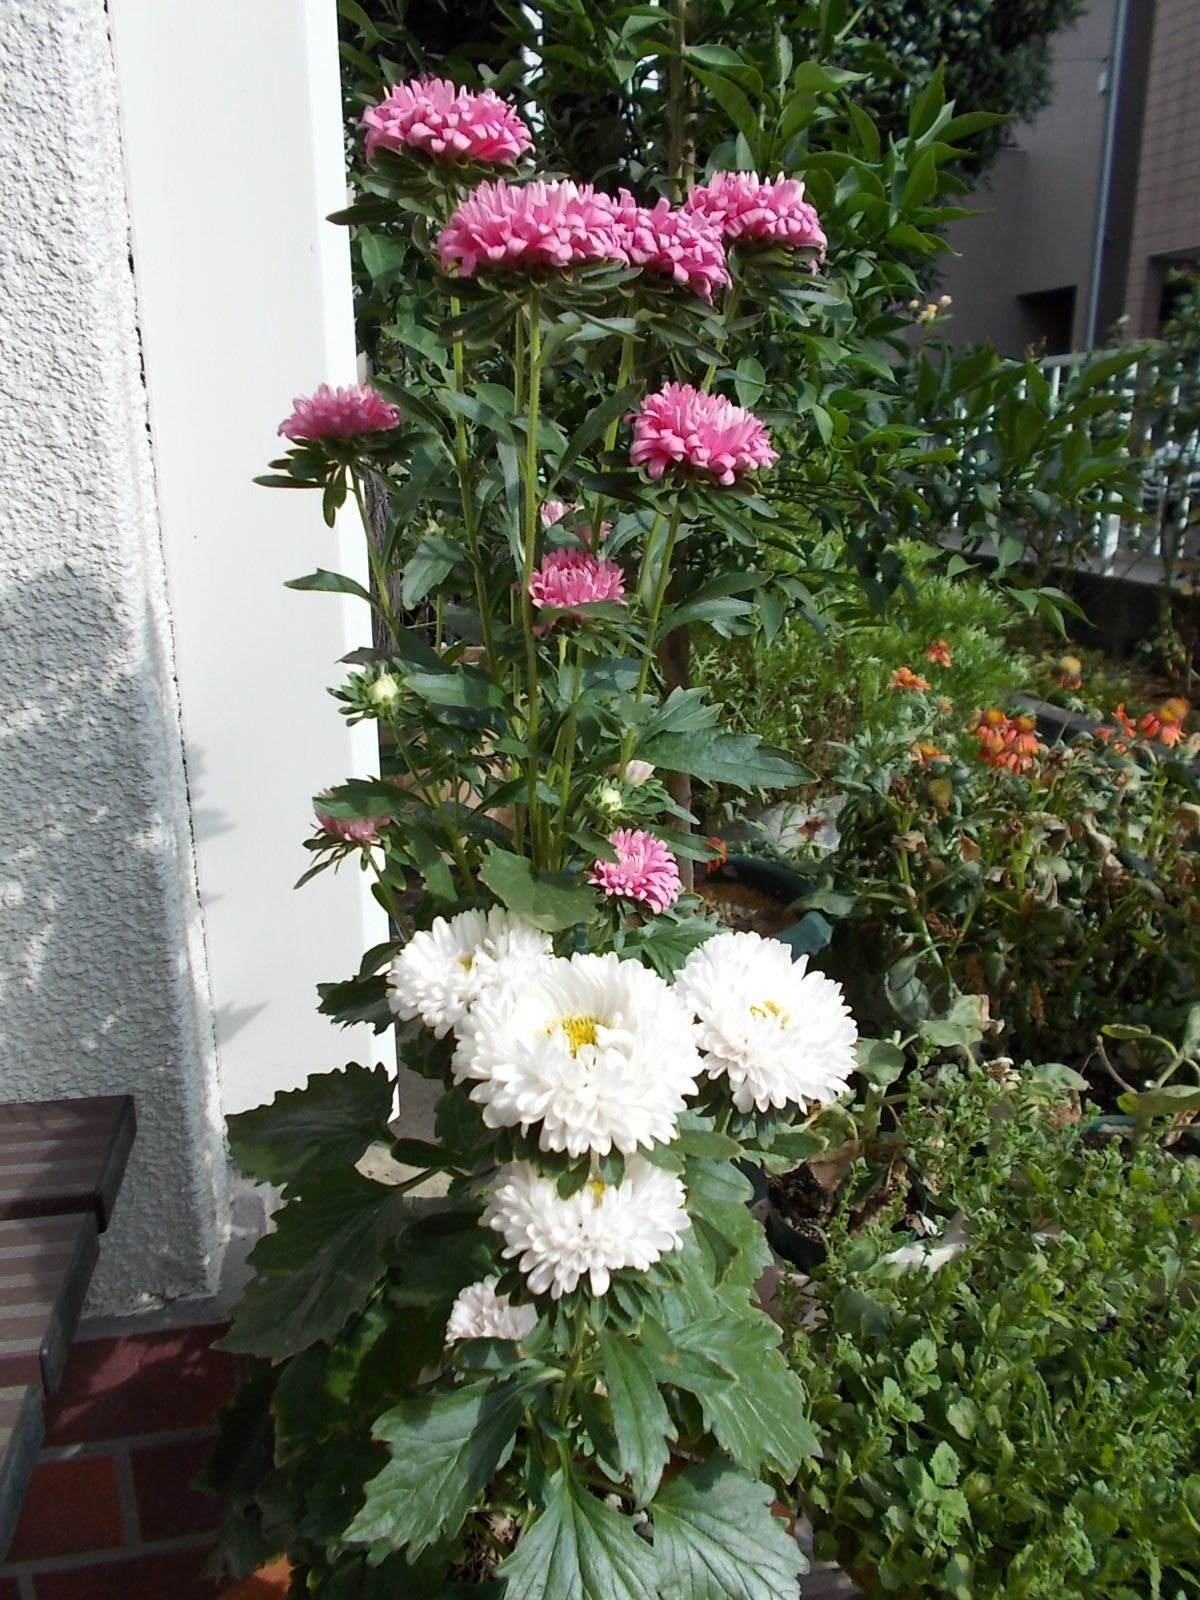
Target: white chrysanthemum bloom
[590,1234]
[480,1313]
[596,1050]
[442,972]
[780,1034]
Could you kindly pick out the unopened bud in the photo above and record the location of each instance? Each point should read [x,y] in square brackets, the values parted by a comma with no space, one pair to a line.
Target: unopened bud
[385,690]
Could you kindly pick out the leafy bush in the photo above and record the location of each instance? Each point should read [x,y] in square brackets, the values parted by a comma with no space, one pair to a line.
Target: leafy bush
[1010,1410]
[827,672]
[1063,890]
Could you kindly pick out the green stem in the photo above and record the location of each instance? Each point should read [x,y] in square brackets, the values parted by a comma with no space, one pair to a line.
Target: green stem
[568,761]
[573,1364]
[731,305]
[462,459]
[624,374]
[660,595]
[529,553]
[378,569]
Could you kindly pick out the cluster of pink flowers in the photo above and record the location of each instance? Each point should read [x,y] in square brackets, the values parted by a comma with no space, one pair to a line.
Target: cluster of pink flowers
[644,870]
[505,226]
[447,123]
[682,245]
[570,578]
[762,210]
[339,414]
[680,426]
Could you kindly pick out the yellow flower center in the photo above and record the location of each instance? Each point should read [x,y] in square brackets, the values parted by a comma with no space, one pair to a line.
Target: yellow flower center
[596,1184]
[769,1008]
[579,1029]
[466,962]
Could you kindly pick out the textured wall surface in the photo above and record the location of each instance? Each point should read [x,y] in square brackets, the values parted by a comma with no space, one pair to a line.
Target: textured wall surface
[102,981]
[1167,217]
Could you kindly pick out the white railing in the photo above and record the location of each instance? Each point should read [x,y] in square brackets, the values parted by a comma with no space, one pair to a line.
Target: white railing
[1161,544]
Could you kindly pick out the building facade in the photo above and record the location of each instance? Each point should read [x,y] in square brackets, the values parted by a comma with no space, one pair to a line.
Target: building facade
[1086,212]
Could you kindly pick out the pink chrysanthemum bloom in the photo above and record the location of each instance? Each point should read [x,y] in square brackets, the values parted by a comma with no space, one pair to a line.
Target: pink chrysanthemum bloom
[644,870]
[763,210]
[680,426]
[681,245]
[446,122]
[508,226]
[568,578]
[339,414]
[355,830]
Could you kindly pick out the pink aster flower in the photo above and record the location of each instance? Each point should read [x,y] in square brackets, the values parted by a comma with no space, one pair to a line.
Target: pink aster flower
[446,122]
[680,426]
[644,870]
[568,578]
[682,245]
[761,210]
[509,226]
[339,414]
[355,830]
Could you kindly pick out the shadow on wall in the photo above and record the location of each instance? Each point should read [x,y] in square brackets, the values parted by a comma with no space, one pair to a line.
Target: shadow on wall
[102,985]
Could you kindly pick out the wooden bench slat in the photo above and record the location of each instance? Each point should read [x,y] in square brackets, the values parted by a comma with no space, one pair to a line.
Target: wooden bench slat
[64,1156]
[21,1431]
[38,1321]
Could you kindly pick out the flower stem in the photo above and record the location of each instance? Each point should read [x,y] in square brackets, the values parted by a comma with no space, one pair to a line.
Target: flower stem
[660,595]
[462,459]
[375,557]
[529,551]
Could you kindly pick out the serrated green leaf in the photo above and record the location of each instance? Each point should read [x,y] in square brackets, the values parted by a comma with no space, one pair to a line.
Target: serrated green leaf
[550,901]
[327,1123]
[716,1539]
[738,759]
[580,1549]
[318,1266]
[445,1450]
[639,1412]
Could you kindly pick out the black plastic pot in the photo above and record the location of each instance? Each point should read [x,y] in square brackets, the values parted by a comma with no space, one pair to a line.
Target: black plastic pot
[811,932]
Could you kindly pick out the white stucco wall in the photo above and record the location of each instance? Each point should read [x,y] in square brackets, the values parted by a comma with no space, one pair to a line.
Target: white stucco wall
[103,985]
[232,127]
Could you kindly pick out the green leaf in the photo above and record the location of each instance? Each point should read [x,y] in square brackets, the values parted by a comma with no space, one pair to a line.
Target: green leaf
[924,110]
[329,583]
[739,759]
[463,688]
[318,1266]
[580,1549]
[445,1450]
[327,1123]
[434,559]
[716,1539]
[639,1412]
[1165,1102]
[551,901]
[733,102]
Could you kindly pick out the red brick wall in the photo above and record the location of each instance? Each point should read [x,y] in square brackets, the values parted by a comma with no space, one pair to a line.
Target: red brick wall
[110,1513]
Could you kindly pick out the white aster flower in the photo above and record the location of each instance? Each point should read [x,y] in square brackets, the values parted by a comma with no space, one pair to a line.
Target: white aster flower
[592,1233]
[440,973]
[596,1050]
[782,1035]
[480,1313]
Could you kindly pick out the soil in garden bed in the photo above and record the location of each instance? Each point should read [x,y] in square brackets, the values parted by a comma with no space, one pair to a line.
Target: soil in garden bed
[743,909]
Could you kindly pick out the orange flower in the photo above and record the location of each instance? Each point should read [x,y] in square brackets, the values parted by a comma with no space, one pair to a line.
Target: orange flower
[1068,670]
[1124,721]
[720,853]
[1166,724]
[906,678]
[923,753]
[939,653]
[1010,743]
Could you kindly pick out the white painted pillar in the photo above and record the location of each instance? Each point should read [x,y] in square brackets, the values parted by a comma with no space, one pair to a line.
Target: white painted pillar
[231,122]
